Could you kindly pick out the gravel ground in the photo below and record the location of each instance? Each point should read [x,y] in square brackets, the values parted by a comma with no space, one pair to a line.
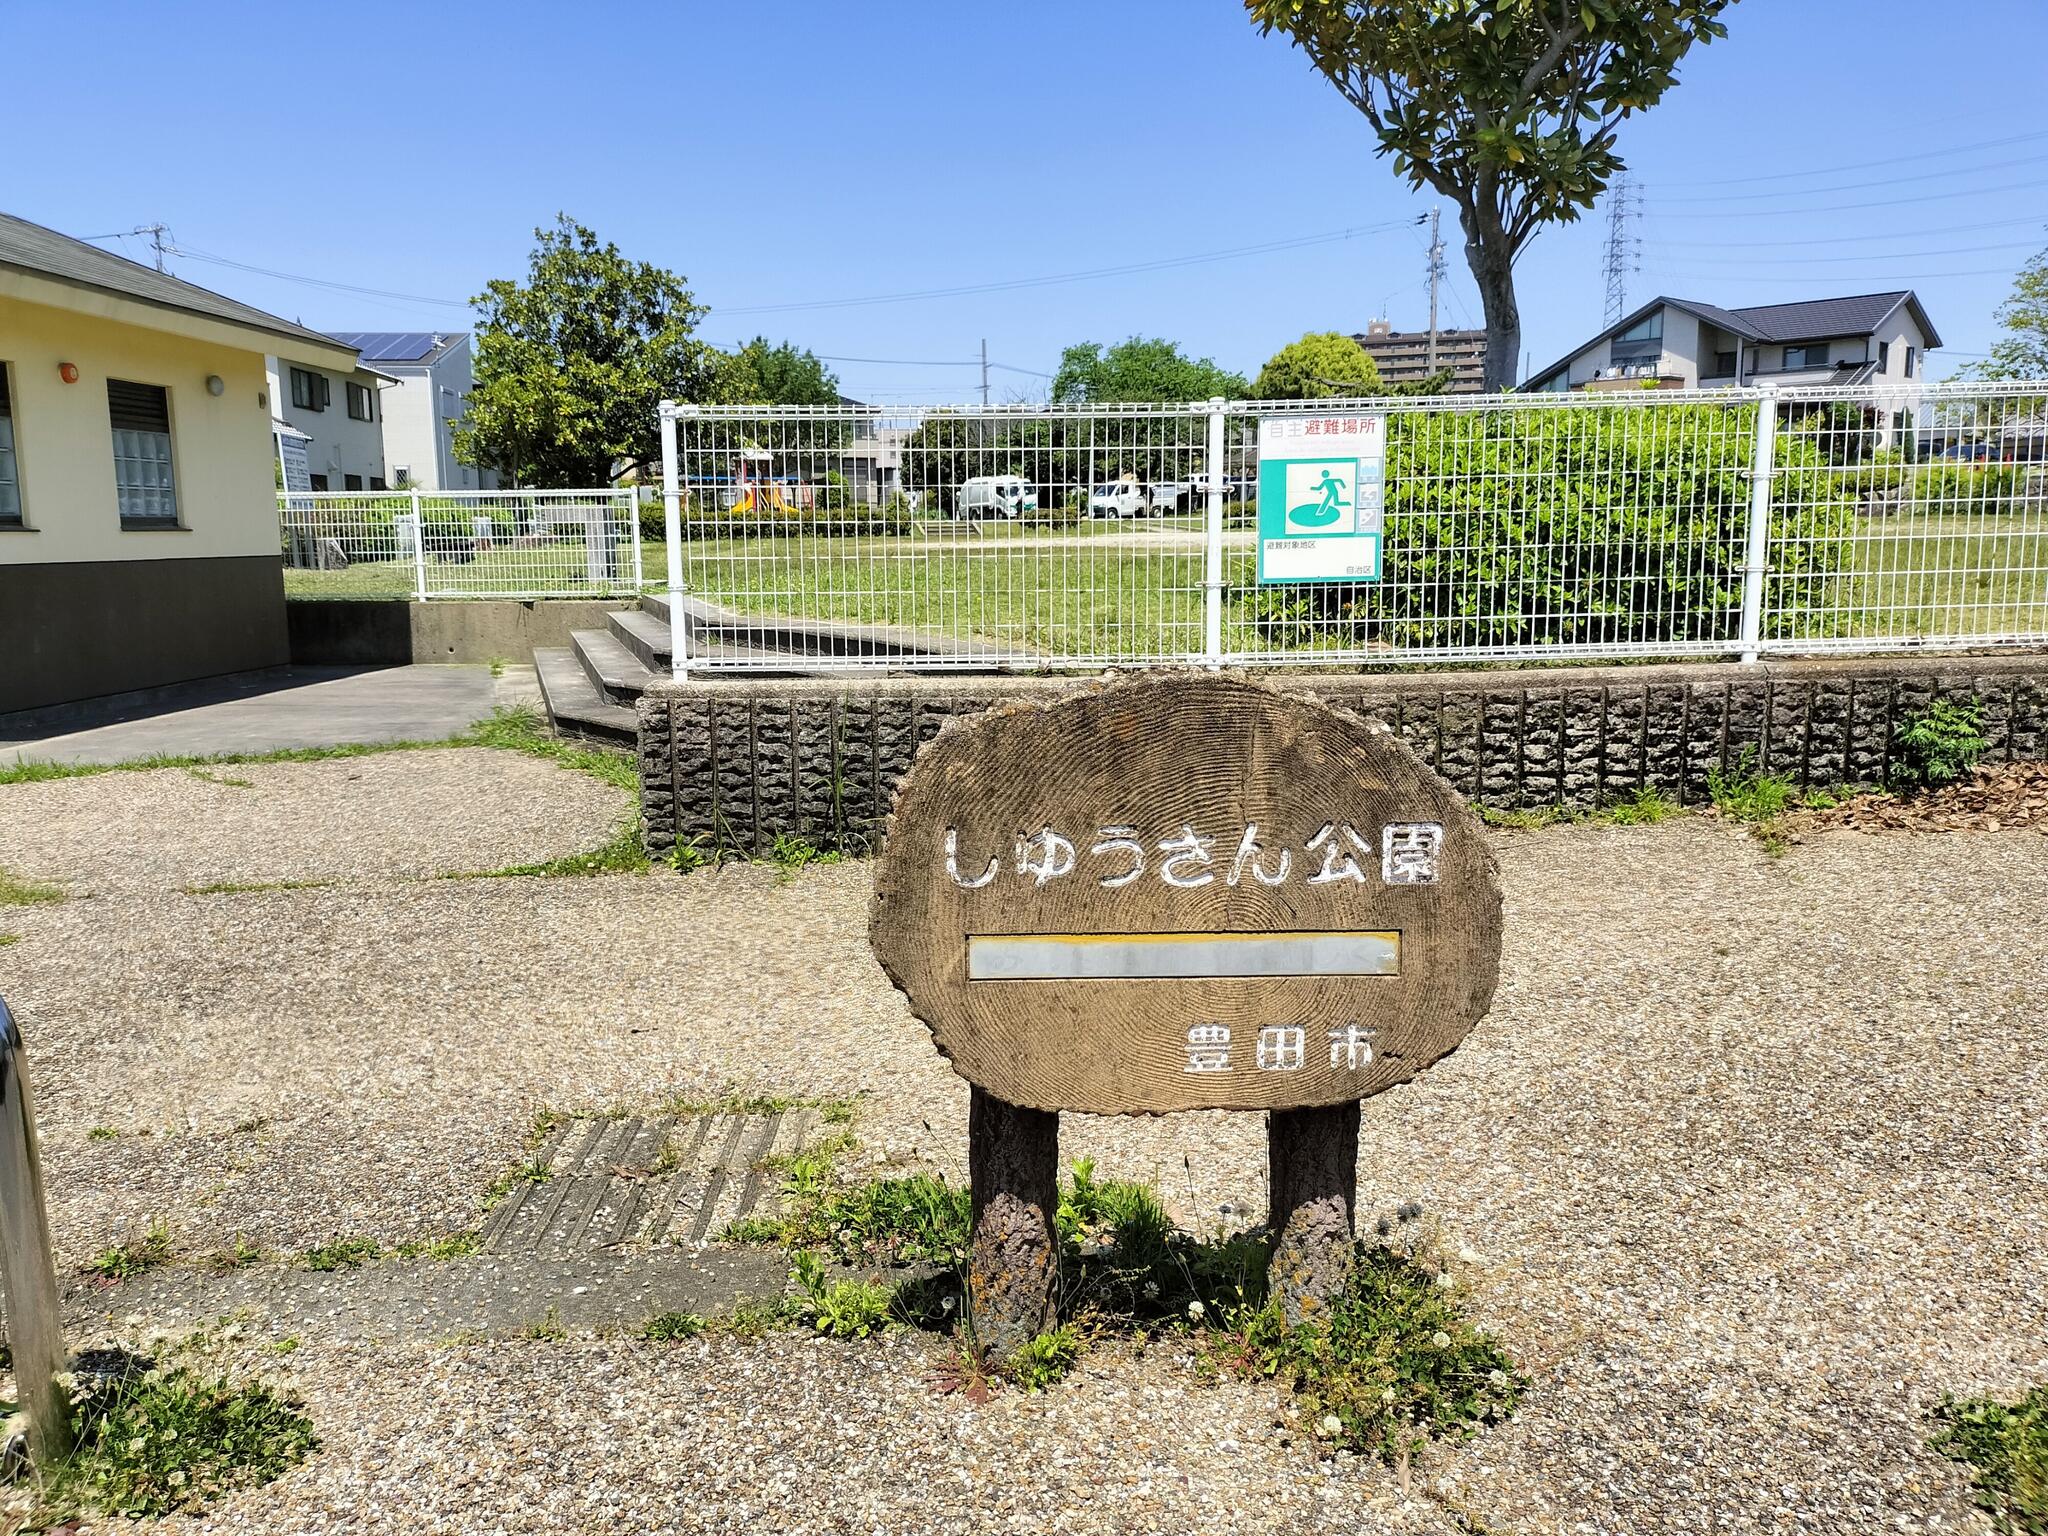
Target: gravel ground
[389,815]
[1747,1166]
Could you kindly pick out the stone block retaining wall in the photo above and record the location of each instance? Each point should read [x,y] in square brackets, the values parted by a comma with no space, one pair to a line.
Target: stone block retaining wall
[736,763]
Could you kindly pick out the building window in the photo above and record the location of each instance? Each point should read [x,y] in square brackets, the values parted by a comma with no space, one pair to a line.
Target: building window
[377,483]
[144,486]
[351,482]
[1911,358]
[310,390]
[360,403]
[1884,357]
[1649,328]
[10,473]
[1813,355]
[317,482]
[1724,364]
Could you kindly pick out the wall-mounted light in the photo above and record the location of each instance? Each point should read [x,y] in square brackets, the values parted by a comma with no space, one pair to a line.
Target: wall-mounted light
[216,385]
[68,372]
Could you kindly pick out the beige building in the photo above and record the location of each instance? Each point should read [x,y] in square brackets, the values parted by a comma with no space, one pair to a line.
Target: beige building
[138,513]
[1403,356]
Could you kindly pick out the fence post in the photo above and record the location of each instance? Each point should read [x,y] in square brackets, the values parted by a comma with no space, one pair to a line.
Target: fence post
[672,509]
[419,550]
[1212,564]
[1757,553]
[633,533]
[35,1329]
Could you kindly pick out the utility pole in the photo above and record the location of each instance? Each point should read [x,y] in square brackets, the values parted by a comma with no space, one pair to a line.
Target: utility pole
[1624,252]
[984,373]
[1436,276]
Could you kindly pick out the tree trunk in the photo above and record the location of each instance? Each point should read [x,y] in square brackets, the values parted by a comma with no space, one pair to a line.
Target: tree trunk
[1313,1154]
[1492,260]
[1013,1158]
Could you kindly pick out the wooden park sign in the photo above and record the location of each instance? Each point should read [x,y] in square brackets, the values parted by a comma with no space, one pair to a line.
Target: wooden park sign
[1177,892]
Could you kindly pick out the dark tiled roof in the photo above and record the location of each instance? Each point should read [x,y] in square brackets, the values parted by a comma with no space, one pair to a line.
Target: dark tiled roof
[32,248]
[1818,319]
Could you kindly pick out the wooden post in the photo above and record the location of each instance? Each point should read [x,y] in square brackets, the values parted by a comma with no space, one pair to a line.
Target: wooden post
[1314,1162]
[1013,1269]
[35,1330]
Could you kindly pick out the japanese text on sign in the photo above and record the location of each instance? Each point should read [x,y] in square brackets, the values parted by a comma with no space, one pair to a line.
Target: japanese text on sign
[1409,853]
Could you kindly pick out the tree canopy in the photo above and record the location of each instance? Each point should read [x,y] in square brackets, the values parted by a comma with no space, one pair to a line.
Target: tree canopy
[1509,108]
[2022,352]
[779,374]
[1320,365]
[572,364]
[1142,368]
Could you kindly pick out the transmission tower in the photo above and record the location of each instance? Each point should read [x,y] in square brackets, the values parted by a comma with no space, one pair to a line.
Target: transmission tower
[1624,252]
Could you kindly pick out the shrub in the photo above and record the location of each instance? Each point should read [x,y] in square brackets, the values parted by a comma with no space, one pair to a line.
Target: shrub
[1044,1361]
[1937,747]
[1619,524]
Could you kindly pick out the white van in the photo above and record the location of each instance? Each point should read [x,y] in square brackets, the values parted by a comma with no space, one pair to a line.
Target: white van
[995,496]
[1121,498]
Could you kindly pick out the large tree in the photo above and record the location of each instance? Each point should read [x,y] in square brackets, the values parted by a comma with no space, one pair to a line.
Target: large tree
[780,374]
[1143,368]
[2022,352]
[572,364]
[1509,108]
[1320,365]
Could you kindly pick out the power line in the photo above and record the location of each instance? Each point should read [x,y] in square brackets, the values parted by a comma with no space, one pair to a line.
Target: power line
[1865,165]
[316,282]
[1856,186]
[1892,202]
[1862,256]
[1953,229]
[1159,265]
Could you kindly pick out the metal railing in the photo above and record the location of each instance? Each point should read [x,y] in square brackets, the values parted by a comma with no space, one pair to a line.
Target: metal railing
[1645,523]
[444,544]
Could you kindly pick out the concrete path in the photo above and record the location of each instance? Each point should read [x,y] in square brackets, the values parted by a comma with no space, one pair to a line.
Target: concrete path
[268,711]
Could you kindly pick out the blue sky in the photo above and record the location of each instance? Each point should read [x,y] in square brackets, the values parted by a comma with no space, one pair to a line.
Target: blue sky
[817,152]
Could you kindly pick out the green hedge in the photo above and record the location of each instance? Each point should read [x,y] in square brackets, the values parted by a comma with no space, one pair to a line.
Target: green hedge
[1548,528]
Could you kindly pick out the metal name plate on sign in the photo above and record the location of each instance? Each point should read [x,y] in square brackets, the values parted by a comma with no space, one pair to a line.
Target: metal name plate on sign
[1322,496]
[1181,892]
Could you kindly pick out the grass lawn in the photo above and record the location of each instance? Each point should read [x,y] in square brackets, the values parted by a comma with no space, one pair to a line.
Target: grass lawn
[1111,591]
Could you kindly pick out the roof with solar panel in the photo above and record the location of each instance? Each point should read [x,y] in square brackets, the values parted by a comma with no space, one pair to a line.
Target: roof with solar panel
[416,348]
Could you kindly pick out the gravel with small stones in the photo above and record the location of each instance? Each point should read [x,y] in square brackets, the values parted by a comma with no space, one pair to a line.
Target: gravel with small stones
[1747,1167]
[384,815]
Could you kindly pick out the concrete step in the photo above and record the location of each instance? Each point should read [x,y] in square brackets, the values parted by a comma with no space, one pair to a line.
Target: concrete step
[576,705]
[645,635]
[611,664]
[710,627]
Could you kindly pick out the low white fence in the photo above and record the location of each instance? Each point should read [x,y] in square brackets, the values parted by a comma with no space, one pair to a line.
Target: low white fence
[1502,528]
[443,544]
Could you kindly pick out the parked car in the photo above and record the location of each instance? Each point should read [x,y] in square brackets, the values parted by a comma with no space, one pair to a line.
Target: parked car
[995,496]
[1122,498]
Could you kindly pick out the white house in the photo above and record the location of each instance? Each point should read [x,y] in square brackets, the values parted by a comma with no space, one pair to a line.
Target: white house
[338,413]
[1871,338]
[431,374]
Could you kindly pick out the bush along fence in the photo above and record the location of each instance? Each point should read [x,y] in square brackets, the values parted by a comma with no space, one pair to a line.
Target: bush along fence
[730,767]
[434,544]
[1635,524]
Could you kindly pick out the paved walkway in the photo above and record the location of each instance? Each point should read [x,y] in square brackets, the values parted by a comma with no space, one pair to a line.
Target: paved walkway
[267,711]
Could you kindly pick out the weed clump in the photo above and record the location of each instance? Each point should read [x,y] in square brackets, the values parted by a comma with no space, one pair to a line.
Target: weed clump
[157,1439]
[2006,1445]
[138,1255]
[1937,747]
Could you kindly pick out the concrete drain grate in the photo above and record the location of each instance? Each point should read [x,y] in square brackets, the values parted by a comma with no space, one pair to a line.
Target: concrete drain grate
[603,1186]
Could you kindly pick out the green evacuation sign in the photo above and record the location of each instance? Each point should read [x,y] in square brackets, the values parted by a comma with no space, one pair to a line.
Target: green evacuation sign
[1322,487]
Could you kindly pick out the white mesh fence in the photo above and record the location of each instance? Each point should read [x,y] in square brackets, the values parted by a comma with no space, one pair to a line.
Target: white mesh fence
[435,544]
[1531,527]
